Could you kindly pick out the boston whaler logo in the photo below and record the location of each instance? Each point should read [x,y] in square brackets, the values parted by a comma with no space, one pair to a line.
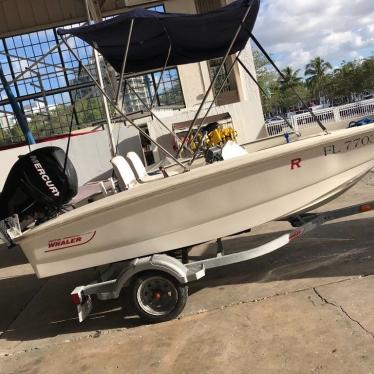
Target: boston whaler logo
[70,241]
[39,168]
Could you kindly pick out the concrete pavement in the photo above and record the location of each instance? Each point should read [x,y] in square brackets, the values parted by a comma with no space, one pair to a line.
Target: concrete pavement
[305,308]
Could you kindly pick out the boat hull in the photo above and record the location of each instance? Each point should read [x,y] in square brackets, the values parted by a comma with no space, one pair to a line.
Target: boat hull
[201,205]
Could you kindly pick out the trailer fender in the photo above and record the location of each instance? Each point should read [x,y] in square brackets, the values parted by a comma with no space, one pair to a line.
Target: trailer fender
[158,262]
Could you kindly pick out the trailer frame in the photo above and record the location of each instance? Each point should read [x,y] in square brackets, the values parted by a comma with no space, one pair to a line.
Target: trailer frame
[162,278]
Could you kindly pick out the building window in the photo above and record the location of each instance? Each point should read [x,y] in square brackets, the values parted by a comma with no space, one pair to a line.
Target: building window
[47,91]
[169,93]
[157,8]
[229,84]
[213,66]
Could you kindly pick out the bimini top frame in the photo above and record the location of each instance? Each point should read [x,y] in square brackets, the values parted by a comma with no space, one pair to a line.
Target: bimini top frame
[157,40]
[160,40]
[193,38]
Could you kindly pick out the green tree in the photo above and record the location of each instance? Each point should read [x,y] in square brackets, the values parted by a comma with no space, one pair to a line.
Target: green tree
[291,87]
[317,73]
[347,82]
[265,75]
[267,79]
[367,74]
[290,79]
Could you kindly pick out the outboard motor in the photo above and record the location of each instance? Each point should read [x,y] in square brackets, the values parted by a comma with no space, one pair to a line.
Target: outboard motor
[37,186]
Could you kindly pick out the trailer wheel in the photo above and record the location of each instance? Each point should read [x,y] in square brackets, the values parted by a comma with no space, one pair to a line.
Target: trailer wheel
[158,297]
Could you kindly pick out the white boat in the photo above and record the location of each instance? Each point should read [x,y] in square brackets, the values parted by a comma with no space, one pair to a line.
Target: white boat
[205,203]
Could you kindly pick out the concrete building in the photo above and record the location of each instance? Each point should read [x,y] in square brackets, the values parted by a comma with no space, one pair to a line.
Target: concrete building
[240,99]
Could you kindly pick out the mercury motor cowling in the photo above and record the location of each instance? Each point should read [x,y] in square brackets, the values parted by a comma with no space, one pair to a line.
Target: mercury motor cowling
[38,186]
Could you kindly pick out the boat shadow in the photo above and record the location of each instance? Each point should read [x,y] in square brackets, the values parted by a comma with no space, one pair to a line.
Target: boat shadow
[40,309]
[11,257]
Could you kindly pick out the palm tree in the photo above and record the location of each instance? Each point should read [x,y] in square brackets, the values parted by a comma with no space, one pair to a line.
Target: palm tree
[290,78]
[291,88]
[316,71]
[367,74]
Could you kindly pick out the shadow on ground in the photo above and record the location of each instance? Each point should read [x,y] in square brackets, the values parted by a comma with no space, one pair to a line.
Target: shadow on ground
[341,249]
[11,257]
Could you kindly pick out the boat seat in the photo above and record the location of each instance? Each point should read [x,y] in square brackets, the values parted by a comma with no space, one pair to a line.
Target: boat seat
[125,176]
[140,171]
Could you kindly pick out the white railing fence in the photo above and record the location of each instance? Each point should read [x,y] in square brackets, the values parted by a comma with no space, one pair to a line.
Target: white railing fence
[326,116]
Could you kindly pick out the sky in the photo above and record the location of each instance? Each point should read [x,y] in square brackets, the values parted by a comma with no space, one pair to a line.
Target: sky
[296,31]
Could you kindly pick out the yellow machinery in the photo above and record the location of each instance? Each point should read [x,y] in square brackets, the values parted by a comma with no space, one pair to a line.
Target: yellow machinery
[216,131]
[219,136]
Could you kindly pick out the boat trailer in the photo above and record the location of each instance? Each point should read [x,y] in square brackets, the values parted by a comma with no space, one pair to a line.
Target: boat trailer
[159,283]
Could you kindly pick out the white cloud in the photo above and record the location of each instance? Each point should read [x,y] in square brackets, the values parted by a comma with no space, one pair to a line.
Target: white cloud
[299,30]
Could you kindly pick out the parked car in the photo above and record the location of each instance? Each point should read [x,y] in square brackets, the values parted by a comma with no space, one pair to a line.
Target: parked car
[362,122]
[273,119]
[368,97]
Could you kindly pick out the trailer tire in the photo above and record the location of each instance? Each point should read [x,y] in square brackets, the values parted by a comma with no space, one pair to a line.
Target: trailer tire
[158,297]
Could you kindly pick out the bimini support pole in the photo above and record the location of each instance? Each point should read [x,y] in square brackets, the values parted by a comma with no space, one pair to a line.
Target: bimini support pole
[164,67]
[105,102]
[212,83]
[22,121]
[210,107]
[266,95]
[101,81]
[150,110]
[261,48]
[147,107]
[124,61]
[161,77]
[118,110]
